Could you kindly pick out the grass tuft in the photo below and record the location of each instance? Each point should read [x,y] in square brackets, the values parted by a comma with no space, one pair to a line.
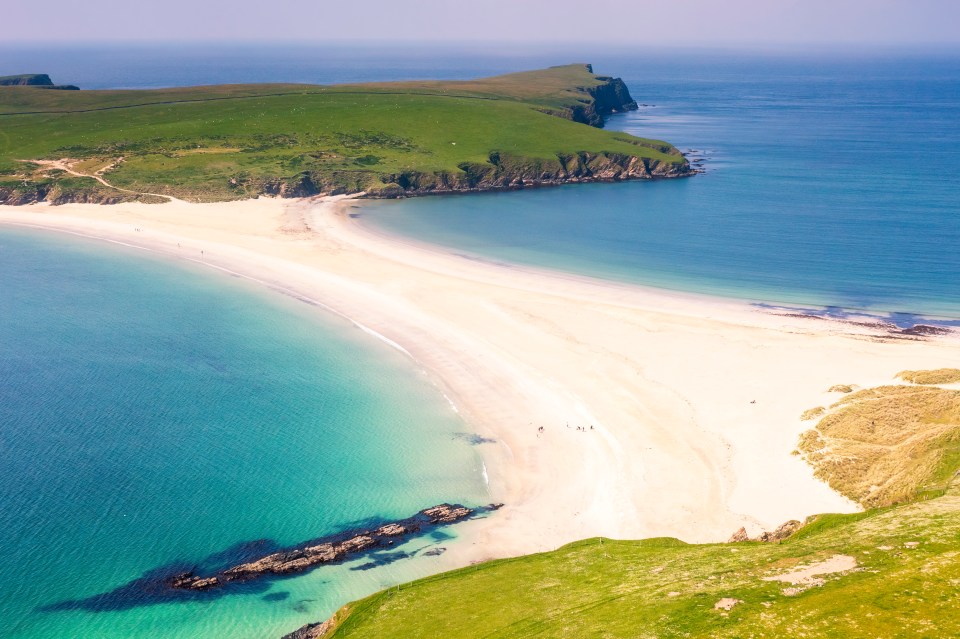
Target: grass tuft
[812,413]
[938,376]
[841,388]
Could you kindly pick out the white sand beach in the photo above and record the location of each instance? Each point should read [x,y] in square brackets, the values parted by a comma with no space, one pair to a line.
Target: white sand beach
[663,414]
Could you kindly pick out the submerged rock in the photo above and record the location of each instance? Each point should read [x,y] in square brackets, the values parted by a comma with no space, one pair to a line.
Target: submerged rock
[309,631]
[323,551]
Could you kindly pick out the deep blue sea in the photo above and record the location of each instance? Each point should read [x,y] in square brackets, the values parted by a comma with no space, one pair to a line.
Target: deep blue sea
[153,413]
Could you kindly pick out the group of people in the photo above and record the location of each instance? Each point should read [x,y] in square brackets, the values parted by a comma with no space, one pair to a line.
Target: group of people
[582,429]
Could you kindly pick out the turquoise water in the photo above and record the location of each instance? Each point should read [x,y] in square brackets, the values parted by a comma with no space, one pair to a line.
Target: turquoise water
[154,413]
[829,182]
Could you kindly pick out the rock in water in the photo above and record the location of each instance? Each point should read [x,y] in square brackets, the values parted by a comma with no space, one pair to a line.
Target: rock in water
[321,551]
[309,631]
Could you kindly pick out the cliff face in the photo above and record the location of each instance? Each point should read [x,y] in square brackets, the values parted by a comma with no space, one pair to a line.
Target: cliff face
[501,173]
[511,173]
[54,194]
[612,96]
[39,80]
[26,80]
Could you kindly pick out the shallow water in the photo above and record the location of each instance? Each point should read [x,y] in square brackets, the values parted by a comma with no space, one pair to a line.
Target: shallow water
[154,413]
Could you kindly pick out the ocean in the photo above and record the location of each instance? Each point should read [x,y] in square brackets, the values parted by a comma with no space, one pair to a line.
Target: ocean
[154,414]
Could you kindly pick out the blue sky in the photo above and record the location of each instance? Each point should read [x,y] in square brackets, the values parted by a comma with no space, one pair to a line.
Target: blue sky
[622,22]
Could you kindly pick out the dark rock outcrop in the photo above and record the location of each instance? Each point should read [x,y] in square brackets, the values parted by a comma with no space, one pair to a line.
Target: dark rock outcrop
[309,631]
[39,80]
[611,96]
[782,532]
[326,550]
[505,173]
[501,172]
[48,192]
[740,535]
[26,80]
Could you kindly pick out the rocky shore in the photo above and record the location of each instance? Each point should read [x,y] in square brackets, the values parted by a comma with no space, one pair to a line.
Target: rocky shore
[501,173]
[325,550]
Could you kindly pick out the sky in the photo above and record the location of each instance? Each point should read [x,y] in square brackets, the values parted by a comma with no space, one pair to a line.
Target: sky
[681,23]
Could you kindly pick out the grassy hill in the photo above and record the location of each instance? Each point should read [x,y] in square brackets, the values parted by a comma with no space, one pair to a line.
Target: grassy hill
[904,584]
[388,139]
[892,571]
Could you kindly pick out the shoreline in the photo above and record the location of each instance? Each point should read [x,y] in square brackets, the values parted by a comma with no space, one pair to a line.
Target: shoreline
[772,305]
[665,379]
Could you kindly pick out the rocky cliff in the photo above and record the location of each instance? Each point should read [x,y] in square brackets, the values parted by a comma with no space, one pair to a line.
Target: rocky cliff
[26,80]
[502,172]
[39,80]
[612,96]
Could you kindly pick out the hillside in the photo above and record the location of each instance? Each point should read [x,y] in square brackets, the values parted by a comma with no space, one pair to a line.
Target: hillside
[386,139]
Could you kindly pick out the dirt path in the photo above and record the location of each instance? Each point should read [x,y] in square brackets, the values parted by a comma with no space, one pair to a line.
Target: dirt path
[67,166]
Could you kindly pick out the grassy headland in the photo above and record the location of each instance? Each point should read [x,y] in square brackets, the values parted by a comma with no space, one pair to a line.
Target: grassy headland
[387,139]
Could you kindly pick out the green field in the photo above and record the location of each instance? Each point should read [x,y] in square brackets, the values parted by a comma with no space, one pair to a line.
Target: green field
[387,139]
[906,584]
[896,572]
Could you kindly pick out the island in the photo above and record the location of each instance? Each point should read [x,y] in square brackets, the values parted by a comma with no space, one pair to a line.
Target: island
[382,140]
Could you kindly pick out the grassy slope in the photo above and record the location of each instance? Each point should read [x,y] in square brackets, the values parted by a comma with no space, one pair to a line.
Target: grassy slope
[219,143]
[622,588]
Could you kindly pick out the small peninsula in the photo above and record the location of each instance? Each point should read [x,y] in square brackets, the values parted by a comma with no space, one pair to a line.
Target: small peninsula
[389,139]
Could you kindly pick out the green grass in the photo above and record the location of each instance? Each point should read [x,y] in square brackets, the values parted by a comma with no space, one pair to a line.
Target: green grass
[623,588]
[232,142]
